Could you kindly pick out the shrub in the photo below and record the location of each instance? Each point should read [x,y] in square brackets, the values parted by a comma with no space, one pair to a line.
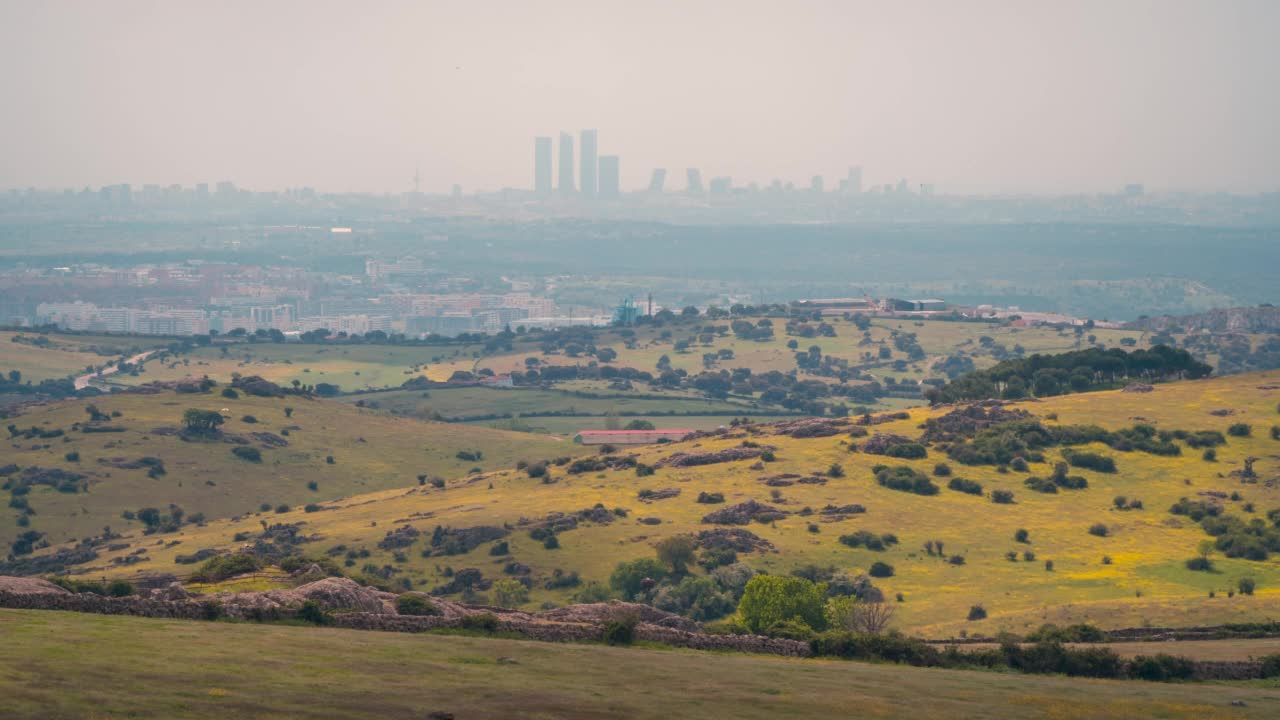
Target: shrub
[906,451]
[230,394]
[977,612]
[408,604]
[499,549]
[1021,535]
[310,611]
[551,542]
[1098,529]
[485,622]
[880,570]
[311,507]
[1275,432]
[1240,430]
[1019,464]
[960,484]
[1200,564]
[869,540]
[1270,665]
[210,609]
[620,632]
[1079,633]
[835,471]
[72,456]
[956,559]
[710,498]
[1090,461]
[1161,667]
[249,419]
[1246,585]
[791,629]
[942,470]
[1210,455]
[222,567]
[249,454]
[905,479]
[1002,497]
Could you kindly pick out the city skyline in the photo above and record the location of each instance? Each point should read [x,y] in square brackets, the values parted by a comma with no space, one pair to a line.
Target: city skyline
[977,98]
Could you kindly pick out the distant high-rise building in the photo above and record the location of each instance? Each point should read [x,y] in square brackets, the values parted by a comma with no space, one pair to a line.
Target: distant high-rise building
[658,180]
[542,166]
[587,182]
[609,187]
[693,180]
[202,190]
[816,185]
[903,187]
[721,185]
[926,189]
[566,164]
[853,184]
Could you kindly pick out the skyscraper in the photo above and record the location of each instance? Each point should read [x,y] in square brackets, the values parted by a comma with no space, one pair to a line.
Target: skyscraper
[542,166]
[608,176]
[566,164]
[854,183]
[587,158]
[658,180]
[694,179]
[816,185]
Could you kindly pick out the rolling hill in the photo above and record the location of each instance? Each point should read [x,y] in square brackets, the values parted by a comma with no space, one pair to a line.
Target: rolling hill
[81,475]
[1087,556]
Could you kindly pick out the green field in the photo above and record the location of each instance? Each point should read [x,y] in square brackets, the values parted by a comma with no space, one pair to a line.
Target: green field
[370,451]
[466,402]
[65,665]
[1144,582]
[66,355]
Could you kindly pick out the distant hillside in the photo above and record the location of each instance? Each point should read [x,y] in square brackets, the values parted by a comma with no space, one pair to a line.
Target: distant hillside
[1261,319]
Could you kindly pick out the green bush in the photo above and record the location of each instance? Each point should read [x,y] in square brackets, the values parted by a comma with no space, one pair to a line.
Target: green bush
[977,612]
[942,469]
[1271,665]
[247,453]
[620,632]
[905,479]
[1021,535]
[1099,530]
[415,605]
[1002,497]
[486,622]
[1240,430]
[880,570]
[965,486]
[310,611]
[1161,668]
[220,568]
[1247,586]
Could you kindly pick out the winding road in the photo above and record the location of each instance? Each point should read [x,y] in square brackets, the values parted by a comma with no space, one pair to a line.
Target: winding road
[83,381]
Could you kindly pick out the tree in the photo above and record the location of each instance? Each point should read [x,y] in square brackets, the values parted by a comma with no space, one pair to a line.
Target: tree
[856,616]
[510,593]
[201,422]
[632,578]
[640,425]
[676,552]
[770,599]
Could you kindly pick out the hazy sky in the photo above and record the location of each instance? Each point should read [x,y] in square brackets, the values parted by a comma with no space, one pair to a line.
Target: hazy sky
[1017,96]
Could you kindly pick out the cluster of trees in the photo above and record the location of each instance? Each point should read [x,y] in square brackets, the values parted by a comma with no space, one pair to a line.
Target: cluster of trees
[1077,371]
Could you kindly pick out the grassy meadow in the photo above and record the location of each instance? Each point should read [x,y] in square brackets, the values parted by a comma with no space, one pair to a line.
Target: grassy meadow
[370,451]
[1144,582]
[67,665]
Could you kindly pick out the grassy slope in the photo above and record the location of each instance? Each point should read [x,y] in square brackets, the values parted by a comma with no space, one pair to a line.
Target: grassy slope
[1148,547]
[66,665]
[66,355]
[472,401]
[371,451]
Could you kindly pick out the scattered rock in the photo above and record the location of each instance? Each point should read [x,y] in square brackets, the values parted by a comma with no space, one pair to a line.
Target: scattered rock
[1137,388]
[744,513]
[30,586]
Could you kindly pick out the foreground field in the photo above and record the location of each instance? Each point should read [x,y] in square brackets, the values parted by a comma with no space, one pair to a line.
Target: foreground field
[66,665]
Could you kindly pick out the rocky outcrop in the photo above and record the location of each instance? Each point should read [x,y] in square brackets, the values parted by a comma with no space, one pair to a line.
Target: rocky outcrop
[743,513]
[30,586]
[682,459]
